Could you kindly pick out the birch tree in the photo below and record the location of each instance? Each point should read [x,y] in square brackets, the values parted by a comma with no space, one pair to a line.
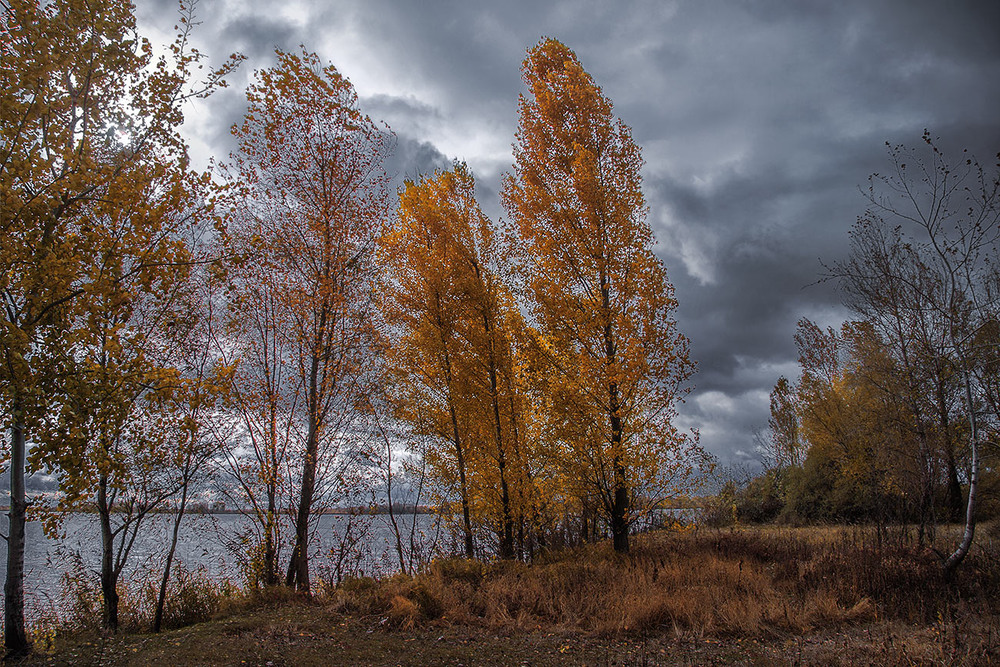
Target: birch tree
[944,216]
[312,194]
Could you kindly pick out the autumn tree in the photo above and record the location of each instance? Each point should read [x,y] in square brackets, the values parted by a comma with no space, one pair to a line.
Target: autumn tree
[941,217]
[105,436]
[600,297]
[425,300]
[311,196]
[257,443]
[453,348]
[89,121]
[192,407]
[784,445]
[855,467]
[506,462]
[886,282]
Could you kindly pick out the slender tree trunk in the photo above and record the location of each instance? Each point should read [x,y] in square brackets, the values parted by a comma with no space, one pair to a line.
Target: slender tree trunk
[507,528]
[926,494]
[270,521]
[298,566]
[15,637]
[526,482]
[270,564]
[507,531]
[464,487]
[109,578]
[456,437]
[619,505]
[460,457]
[960,552]
[619,510]
[161,598]
[397,535]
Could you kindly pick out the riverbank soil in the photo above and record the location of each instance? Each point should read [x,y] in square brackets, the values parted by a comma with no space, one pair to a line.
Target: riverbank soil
[745,596]
[313,636]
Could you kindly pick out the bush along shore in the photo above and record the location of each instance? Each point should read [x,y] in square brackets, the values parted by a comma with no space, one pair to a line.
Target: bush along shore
[816,595]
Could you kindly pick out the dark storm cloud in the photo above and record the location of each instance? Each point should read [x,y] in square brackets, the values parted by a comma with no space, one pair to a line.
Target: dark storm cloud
[33,483]
[758,121]
[759,125]
[758,240]
[413,158]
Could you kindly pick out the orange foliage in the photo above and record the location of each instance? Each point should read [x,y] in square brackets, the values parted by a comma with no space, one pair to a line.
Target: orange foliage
[614,364]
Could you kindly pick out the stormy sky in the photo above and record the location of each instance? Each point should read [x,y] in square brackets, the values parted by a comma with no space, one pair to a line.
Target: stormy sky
[758,122]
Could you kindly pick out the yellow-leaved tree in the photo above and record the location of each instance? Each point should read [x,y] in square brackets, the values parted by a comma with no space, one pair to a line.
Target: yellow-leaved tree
[862,462]
[453,326]
[424,299]
[96,197]
[615,364]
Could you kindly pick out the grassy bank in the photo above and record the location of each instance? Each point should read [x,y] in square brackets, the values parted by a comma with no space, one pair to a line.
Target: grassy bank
[770,596]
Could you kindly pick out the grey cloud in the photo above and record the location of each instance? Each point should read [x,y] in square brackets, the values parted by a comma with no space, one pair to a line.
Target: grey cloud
[33,483]
[40,482]
[257,36]
[403,115]
[413,158]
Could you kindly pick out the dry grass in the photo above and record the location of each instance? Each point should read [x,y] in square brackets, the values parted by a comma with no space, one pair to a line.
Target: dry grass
[739,583]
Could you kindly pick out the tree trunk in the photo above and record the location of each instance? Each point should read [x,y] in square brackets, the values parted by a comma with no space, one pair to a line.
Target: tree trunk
[619,507]
[15,637]
[958,556]
[464,490]
[162,596]
[270,535]
[271,528]
[397,535]
[507,528]
[109,578]
[619,510]
[926,496]
[298,566]
[460,456]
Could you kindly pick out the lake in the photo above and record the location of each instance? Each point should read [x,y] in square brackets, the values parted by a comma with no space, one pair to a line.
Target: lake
[204,543]
[351,545]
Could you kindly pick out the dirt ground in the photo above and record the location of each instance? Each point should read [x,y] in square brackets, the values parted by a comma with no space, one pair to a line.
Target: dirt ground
[303,634]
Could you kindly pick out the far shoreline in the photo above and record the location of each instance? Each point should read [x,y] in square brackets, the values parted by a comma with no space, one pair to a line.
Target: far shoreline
[338,511]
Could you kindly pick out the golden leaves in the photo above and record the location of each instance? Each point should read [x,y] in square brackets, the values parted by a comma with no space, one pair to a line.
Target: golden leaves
[101,223]
[616,366]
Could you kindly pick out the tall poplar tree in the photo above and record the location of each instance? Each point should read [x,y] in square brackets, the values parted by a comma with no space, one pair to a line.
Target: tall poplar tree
[453,325]
[425,299]
[600,297]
